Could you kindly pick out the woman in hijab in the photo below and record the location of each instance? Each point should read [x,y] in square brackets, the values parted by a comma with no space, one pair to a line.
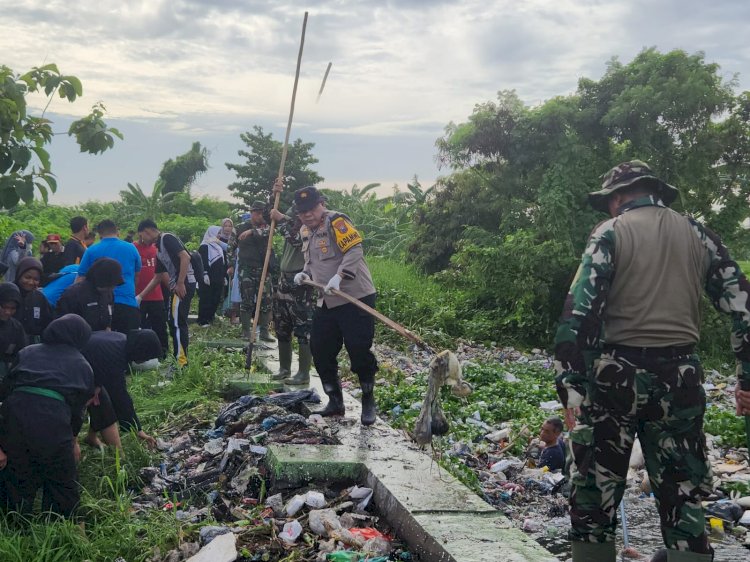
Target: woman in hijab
[211,287]
[227,229]
[17,247]
[93,298]
[35,313]
[42,412]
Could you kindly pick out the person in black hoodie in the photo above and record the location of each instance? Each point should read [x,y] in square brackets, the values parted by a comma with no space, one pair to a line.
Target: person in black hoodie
[93,298]
[42,412]
[109,354]
[12,336]
[35,313]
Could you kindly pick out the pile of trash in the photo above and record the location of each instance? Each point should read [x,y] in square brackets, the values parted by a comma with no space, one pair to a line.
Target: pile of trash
[536,500]
[215,481]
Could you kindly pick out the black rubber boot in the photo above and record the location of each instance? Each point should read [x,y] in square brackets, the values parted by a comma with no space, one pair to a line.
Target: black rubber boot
[285,361]
[368,404]
[302,376]
[335,406]
[246,321]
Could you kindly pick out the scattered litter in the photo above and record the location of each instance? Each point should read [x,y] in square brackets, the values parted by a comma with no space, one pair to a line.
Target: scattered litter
[291,532]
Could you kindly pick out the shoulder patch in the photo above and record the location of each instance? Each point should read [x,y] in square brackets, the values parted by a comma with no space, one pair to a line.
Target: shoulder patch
[346,235]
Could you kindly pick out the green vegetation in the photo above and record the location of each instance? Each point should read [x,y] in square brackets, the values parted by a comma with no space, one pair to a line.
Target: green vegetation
[24,160]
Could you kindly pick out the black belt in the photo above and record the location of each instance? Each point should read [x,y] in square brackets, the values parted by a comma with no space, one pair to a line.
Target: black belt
[652,352]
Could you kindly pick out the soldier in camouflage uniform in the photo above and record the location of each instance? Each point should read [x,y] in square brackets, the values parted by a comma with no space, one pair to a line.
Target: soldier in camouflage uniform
[293,305]
[249,243]
[625,361]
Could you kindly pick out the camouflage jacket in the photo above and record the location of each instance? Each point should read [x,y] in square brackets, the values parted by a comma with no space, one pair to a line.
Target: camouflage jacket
[292,258]
[579,335]
[250,251]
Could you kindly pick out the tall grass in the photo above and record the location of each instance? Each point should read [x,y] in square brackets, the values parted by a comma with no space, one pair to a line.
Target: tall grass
[106,526]
[412,299]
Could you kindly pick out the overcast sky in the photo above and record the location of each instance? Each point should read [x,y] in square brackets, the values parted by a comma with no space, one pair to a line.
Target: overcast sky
[171,72]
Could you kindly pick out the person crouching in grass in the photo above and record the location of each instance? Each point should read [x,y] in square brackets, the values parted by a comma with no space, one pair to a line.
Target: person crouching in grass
[44,398]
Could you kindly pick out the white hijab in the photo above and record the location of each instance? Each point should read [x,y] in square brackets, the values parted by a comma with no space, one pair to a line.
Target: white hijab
[211,240]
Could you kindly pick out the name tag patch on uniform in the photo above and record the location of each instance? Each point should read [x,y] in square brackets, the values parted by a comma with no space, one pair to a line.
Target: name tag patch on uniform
[346,235]
[37,313]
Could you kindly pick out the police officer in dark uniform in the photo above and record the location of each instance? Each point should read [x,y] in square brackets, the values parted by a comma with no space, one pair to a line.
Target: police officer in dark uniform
[334,257]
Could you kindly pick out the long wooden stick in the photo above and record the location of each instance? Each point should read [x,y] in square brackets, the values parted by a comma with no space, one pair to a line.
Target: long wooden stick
[269,247]
[379,315]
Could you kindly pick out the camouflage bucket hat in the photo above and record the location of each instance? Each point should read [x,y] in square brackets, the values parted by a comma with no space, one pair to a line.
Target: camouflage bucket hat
[258,206]
[627,174]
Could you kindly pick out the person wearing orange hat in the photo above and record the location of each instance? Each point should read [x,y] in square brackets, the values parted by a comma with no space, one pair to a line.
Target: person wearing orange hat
[52,258]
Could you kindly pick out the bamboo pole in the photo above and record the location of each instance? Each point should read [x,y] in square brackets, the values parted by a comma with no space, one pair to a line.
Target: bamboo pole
[269,247]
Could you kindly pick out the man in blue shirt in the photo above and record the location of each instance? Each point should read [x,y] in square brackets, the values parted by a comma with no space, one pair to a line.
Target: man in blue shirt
[553,454]
[126,315]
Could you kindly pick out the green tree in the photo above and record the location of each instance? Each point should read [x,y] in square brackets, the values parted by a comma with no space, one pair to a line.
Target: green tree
[520,176]
[178,175]
[261,167]
[138,203]
[24,160]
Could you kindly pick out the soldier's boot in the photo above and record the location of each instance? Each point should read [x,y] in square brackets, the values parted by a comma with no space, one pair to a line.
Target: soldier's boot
[684,556]
[368,403]
[335,406]
[285,361]
[246,322]
[302,376]
[594,551]
[265,321]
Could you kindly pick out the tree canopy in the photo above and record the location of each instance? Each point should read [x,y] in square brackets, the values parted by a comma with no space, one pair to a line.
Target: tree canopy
[256,175]
[24,161]
[178,175]
[516,195]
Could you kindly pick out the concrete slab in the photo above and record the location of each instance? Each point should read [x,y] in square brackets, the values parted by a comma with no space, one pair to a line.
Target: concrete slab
[300,464]
[468,537]
[229,343]
[431,510]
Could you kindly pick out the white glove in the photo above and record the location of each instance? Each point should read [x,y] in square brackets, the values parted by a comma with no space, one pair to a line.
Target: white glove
[206,279]
[333,283]
[138,299]
[301,277]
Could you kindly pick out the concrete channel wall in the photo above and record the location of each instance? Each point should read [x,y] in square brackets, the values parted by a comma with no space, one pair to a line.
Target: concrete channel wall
[439,518]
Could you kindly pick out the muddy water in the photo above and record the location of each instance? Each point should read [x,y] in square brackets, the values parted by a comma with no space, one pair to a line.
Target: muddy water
[643,532]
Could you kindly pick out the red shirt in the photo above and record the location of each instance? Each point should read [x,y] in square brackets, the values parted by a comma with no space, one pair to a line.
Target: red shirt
[148,270]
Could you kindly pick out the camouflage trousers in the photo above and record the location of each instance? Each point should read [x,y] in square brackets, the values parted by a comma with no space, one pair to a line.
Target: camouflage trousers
[661,398]
[293,308]
[249,283]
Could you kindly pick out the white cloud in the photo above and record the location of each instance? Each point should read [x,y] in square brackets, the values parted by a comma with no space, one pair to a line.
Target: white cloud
[199,69]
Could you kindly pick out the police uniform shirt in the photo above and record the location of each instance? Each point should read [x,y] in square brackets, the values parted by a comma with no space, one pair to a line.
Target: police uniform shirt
[335,247]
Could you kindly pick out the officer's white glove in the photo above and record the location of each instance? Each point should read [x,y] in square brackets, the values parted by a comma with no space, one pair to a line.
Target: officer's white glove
[333,283]
[301,277]
[206,279]
[138,299]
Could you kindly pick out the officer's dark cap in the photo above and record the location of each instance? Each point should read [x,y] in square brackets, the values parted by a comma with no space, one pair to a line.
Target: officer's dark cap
[307,198]
[258,206]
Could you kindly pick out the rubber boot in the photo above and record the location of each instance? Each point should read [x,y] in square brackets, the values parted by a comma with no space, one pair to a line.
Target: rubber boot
[265,321]
[285,361]
[594,551]
[368,403]
[684,556]
[335,406]
[246,321]
[302,376]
